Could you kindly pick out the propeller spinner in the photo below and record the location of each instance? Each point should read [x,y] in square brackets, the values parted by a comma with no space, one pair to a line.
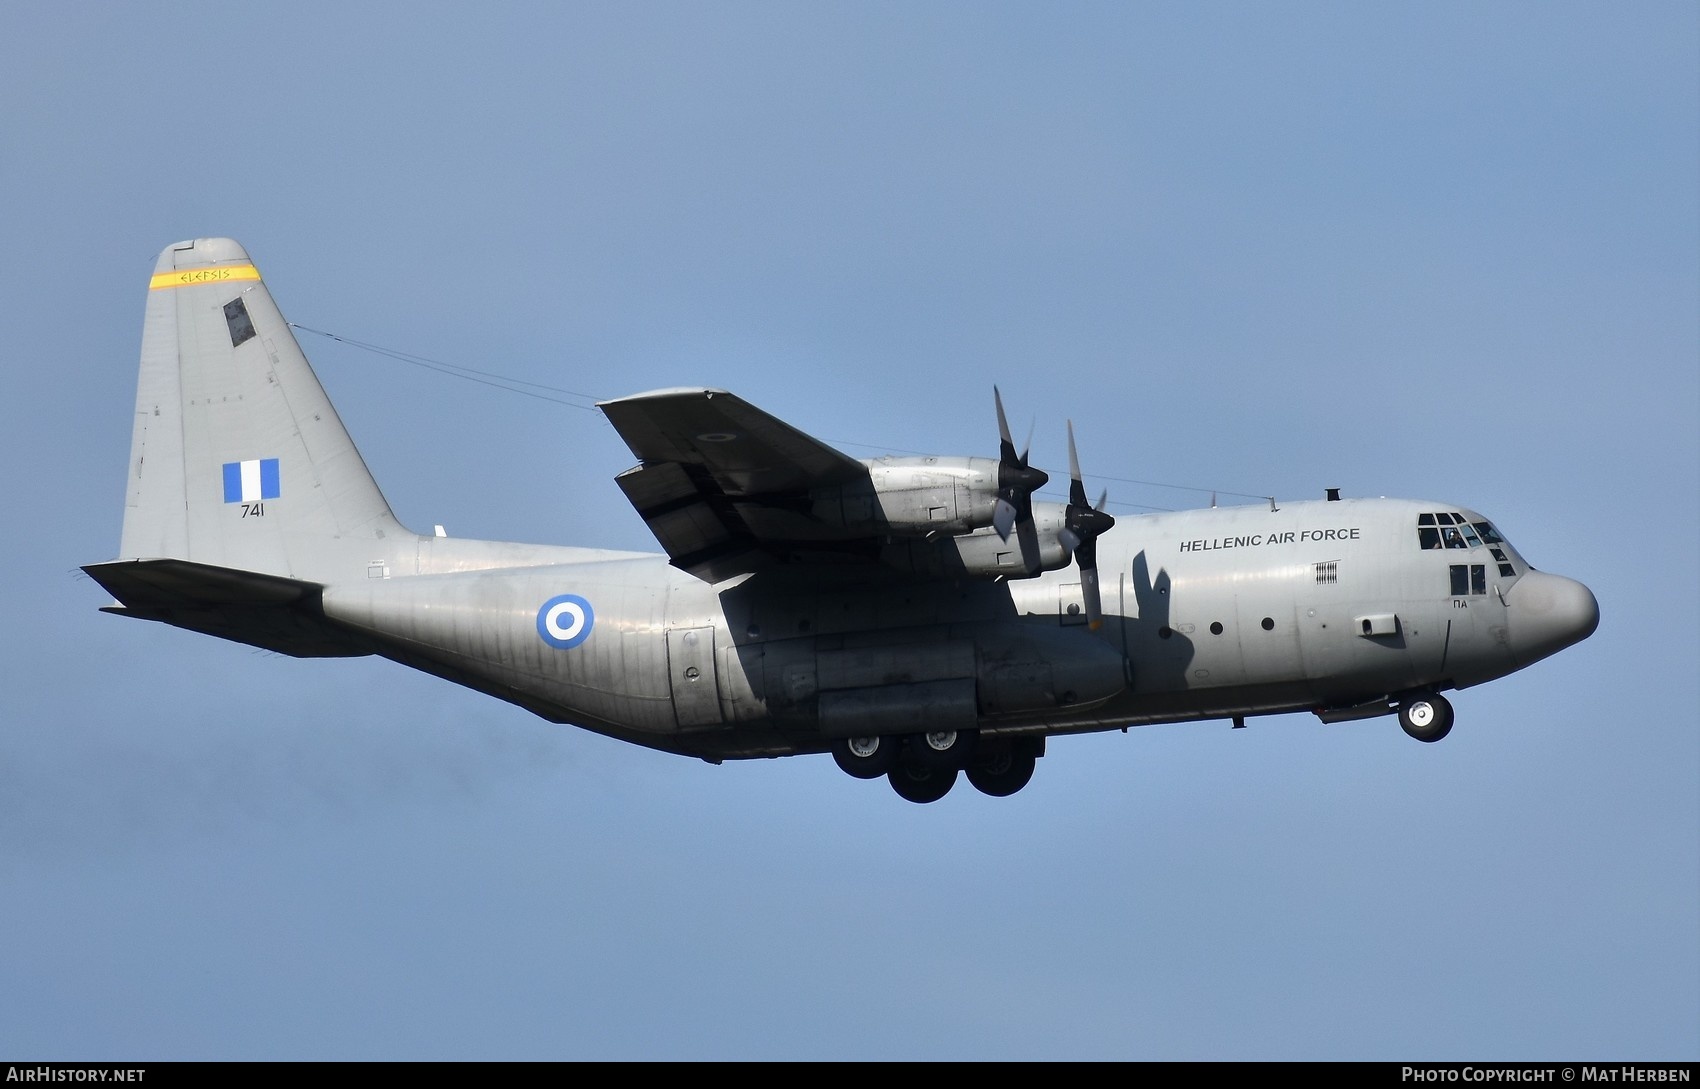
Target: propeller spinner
[1082,524]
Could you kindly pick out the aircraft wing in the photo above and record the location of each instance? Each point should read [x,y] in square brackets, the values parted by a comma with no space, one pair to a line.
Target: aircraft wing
[728,489]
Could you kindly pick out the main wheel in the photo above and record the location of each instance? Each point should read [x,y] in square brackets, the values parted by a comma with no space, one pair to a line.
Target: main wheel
[866,757]
[1426,717]
[952,749]
[919,783]
[1001,768]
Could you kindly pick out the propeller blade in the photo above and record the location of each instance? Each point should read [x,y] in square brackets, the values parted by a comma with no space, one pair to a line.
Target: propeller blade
[1027,534]
[1006,445]
[1017,481]
[1082,524]
[1076,487]
[1094,602]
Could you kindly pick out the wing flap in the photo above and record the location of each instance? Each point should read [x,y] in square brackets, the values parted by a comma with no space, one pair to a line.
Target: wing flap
[693,520]
[725,487]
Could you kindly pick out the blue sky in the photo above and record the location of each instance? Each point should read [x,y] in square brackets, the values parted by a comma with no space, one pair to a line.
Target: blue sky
[1437,250]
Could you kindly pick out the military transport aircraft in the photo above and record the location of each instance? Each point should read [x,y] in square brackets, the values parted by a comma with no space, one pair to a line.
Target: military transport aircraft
[916,617]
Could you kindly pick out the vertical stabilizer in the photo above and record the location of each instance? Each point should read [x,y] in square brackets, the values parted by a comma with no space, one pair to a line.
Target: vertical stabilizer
[238,459]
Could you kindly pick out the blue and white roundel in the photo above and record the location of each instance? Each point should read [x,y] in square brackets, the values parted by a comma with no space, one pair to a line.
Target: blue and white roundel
[564,621]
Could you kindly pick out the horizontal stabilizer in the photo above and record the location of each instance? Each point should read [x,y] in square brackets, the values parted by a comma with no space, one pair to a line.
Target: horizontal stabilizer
[267,611]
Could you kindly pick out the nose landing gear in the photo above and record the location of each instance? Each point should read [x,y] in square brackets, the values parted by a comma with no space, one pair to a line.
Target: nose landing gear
[1426,716]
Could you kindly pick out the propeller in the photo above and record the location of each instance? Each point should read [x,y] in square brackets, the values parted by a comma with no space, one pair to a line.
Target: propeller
[1079,536]
[1017,481]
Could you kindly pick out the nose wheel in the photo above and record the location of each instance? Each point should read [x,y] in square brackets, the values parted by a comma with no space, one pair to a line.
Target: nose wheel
[1426,716]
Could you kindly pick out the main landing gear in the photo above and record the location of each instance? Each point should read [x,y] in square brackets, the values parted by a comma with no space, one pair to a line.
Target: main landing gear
[923,767]
[1426,716]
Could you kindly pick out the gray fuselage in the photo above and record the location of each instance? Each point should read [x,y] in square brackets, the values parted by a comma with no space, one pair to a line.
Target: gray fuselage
[1216,613]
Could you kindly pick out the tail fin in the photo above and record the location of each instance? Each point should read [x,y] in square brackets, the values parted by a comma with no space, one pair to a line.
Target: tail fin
[238,459]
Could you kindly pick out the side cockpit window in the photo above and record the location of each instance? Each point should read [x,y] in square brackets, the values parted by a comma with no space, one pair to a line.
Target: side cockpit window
[1489,534]
[1491,537]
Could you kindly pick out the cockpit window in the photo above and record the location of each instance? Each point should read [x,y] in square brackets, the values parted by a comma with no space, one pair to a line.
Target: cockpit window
[1448,529]
[1468,579]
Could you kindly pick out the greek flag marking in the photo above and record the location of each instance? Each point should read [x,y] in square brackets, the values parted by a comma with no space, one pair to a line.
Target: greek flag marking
[251,481]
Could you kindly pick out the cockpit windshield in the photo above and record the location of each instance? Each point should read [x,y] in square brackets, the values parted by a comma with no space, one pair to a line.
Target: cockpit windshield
[1449,529]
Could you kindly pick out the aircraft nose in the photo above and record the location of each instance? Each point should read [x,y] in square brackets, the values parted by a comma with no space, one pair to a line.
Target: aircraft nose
[1549,613]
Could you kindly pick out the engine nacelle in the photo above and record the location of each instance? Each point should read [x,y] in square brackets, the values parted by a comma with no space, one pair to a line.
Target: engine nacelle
[914,497]
[982,554]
